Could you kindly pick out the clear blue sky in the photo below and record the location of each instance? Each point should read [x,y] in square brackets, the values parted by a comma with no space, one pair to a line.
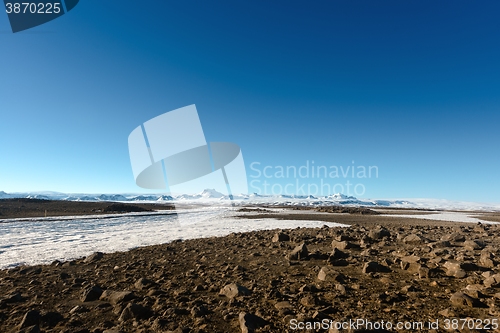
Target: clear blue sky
[412,87]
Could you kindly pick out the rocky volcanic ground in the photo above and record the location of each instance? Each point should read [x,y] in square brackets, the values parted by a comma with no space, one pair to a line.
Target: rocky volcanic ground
[266,281]
[24,207]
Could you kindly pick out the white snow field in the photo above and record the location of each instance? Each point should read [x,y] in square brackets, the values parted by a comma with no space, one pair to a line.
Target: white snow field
[43,240]
[445,216]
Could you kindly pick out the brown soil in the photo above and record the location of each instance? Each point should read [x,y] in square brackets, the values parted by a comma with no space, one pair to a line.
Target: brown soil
[365,220]
[19,208]
[492,217]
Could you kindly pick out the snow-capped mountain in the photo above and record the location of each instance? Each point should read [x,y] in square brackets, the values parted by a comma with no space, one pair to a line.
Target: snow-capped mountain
[112,197]
[164,198]
[211,196]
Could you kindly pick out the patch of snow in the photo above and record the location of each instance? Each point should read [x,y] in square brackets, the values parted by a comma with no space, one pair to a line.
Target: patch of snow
[446,216]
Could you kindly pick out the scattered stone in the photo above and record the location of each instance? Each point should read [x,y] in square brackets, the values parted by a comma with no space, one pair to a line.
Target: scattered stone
[134,311]
[31,329]
[338,254]
[199,311]
[342,245]
[250,322]
[472,245]
[424,273]
[329,274]
[31,318]
[454,237]
[447,313]
[340,288]
[13,298]
[440,244]
[309,288]
[280,237]
[486,260]
[283,305]
[461,299]
[308,301]
[374,267]
[117,297]
[144,283]
[454,269]
[379,233]
[96,256]
[408,288]
[113,330]
[410,264]
[91,294]
[413,239]
[233,290]
[492,281]
[300,252]
[336,258]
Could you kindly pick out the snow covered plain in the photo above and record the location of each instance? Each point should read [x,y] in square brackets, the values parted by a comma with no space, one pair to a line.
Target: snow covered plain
[41,241]
[445,216]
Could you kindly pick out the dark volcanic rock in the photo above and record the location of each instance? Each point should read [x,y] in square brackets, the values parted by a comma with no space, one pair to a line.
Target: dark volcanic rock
[144,283]
[134,311]
[96,256]
[116,297]
[460,299]
[250,322]
[374,267]
[280,237]
[233,290]
[31,318]
[91,294]
[379,233]
[299,253]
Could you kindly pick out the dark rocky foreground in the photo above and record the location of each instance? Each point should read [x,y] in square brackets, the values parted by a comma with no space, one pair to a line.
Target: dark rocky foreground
[265,281]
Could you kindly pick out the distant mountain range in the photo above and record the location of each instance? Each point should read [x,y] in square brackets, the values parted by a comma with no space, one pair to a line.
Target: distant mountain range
[212,196]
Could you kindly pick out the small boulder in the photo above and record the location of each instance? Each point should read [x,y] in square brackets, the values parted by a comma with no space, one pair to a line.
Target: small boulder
[413,239]
[374,267]
[454,269]
[492,281]
[31,318]
[379,233]
[134,311]
[486,260]
[96,256]
[329,274]
[280,237]
[460,299]
[454,237]
[233,290]
[143,283]
[440,244]
[473,245]
[91,294]
[117,297]
[250,322]
[342,245]
[300,252]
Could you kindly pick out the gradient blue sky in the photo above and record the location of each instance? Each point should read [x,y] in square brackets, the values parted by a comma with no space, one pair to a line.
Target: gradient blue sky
[412,87]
